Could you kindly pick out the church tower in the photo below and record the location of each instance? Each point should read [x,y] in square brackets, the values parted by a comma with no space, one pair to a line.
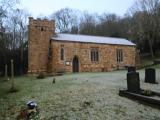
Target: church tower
[39,35]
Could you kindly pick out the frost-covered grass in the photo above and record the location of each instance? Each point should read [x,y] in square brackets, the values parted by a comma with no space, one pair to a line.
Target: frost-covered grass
[83,96]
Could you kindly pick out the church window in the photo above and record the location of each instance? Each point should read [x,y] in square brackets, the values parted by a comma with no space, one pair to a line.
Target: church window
[94,55]
[62,53]
[119,55]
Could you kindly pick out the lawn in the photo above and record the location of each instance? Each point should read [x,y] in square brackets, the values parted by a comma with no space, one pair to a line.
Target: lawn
[83,96]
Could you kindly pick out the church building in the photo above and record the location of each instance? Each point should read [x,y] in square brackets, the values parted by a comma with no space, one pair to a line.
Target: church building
[49,52]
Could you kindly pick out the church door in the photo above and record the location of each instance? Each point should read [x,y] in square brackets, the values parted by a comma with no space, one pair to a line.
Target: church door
[75,64]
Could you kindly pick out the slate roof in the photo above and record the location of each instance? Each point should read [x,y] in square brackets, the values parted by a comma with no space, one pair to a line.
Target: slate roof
[92,39]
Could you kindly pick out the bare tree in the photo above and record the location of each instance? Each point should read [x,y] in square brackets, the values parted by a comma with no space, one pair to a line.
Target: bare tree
[5,7]
[16,28]
[109,25]
[88,24]
[22,22]
[65,20]
[148,11]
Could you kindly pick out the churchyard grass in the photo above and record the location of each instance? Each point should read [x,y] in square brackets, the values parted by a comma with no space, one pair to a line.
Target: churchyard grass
[83,96]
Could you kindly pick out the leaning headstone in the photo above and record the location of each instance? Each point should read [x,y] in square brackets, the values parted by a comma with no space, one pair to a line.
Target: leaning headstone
[131,69]
[133,82]
[150,75]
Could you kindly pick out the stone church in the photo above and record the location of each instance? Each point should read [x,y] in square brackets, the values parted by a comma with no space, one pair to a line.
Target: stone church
[49,52]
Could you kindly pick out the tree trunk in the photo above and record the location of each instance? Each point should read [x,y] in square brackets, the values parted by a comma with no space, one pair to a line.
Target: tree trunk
[21,48]
[21,57]
[6,72]
[151,48]
[12,75]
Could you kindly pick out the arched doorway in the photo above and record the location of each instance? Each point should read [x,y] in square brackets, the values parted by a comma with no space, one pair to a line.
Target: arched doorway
[75,64]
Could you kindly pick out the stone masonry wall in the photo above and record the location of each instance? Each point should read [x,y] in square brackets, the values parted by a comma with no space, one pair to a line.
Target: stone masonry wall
[40,32]
[107,56]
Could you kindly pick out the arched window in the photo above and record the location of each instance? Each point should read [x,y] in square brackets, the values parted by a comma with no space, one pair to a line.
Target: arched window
[62,53]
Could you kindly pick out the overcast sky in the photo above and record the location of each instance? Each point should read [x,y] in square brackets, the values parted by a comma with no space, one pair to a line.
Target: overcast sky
[46,7]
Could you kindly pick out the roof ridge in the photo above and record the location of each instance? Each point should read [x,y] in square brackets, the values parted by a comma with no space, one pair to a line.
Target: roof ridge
[90,35]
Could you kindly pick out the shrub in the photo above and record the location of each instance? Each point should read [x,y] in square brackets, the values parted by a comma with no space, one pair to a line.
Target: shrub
[147,93]
[41,76]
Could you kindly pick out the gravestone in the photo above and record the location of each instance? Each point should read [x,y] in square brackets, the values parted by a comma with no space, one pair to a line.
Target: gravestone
[131,69]
[133,82]
[150,75]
